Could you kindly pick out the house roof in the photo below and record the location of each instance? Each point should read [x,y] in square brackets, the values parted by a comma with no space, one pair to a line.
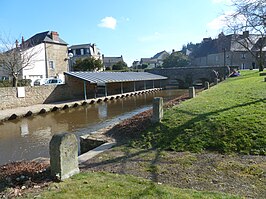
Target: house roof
[43,37]
[109,77]
[160,55]
[112,59]
[229,42]
[147,61]
[78,46]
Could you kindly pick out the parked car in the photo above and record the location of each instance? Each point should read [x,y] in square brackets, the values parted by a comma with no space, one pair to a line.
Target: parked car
[48,81]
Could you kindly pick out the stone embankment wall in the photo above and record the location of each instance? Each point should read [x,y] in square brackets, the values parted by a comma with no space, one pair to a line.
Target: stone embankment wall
[33,95]
[73,90]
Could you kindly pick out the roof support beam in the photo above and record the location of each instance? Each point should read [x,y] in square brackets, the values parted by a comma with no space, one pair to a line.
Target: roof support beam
[144,85]
[122,90]
[105,90]
[85,91]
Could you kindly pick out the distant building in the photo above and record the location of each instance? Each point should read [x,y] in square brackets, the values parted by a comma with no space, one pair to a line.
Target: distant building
[108,62]
[155,61]
[49,57]
[82,51]
[227,50]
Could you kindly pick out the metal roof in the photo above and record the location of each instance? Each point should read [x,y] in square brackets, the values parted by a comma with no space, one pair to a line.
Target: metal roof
[109,77]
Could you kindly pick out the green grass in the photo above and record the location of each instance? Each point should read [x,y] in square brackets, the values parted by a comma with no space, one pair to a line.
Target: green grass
[105,185]
[228,118]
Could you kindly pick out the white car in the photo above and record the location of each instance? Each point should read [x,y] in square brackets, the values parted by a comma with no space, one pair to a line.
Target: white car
[48,81]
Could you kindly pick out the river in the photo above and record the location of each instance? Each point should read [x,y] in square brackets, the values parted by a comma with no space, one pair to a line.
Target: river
[28,138]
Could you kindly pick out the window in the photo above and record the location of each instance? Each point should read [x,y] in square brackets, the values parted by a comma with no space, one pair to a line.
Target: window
[217,58]
[51,64]
[243,56]
[78,52]
[87,51]
[82,51]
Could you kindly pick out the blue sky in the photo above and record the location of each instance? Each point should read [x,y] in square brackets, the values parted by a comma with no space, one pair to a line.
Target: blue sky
[132,28]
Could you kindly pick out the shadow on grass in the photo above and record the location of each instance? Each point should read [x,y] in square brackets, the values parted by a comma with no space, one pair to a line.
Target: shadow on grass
[193,138]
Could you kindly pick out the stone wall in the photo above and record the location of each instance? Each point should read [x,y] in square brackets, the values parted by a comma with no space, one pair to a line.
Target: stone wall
[72,90]
[56,53]
[33,95]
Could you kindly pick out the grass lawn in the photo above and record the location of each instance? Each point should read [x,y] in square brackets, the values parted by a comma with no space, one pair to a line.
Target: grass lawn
[228,118]
[106,185]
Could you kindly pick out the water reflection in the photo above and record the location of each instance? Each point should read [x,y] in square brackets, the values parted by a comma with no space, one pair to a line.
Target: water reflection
[28,138]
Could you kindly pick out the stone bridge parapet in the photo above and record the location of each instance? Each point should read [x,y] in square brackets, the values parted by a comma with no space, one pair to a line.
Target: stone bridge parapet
[187,76]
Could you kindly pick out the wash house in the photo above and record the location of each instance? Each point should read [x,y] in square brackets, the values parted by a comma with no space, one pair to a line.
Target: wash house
[87,85]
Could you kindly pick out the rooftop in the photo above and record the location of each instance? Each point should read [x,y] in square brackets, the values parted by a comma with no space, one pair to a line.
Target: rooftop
[109,77]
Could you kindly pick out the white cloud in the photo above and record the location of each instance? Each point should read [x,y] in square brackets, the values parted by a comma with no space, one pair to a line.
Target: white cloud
[108,22]
[148,38]
[217,23]
[222,21]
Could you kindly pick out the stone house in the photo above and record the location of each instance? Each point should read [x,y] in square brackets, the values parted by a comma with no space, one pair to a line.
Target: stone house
[108,62]
[48,57]
[82,51]
[227,50]
[155,61]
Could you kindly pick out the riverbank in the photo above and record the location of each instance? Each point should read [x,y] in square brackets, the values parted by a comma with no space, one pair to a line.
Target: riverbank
[236,106]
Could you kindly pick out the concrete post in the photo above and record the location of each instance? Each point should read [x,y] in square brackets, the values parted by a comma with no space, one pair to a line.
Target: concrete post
[206,85]
[215,81]
[192,92]
[63,150]
[157,109]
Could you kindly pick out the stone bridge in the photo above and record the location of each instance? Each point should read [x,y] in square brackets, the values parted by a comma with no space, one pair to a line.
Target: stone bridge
[188,76]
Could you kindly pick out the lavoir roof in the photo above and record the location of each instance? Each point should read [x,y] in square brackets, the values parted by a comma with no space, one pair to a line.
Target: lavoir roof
[109,77]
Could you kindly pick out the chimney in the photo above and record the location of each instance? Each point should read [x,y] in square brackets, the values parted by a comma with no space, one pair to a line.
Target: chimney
[22,42]
[173,50]
[246,34]
[55,36]
[16,43]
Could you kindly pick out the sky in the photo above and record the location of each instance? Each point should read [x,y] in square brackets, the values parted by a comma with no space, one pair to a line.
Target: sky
[134,29]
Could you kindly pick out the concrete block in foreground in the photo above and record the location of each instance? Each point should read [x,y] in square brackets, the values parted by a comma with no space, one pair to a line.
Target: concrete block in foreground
[63,156]
[157,109]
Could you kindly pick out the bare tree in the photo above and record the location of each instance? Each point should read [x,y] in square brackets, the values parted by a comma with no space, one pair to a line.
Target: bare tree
[15,57]
[250,17]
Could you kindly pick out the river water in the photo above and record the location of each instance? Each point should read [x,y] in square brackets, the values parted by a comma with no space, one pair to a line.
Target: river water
[28,138]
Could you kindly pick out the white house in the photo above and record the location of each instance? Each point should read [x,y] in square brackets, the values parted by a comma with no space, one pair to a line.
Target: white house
[48,57]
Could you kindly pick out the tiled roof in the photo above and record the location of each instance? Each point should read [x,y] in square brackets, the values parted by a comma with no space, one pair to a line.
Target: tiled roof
[108,77]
